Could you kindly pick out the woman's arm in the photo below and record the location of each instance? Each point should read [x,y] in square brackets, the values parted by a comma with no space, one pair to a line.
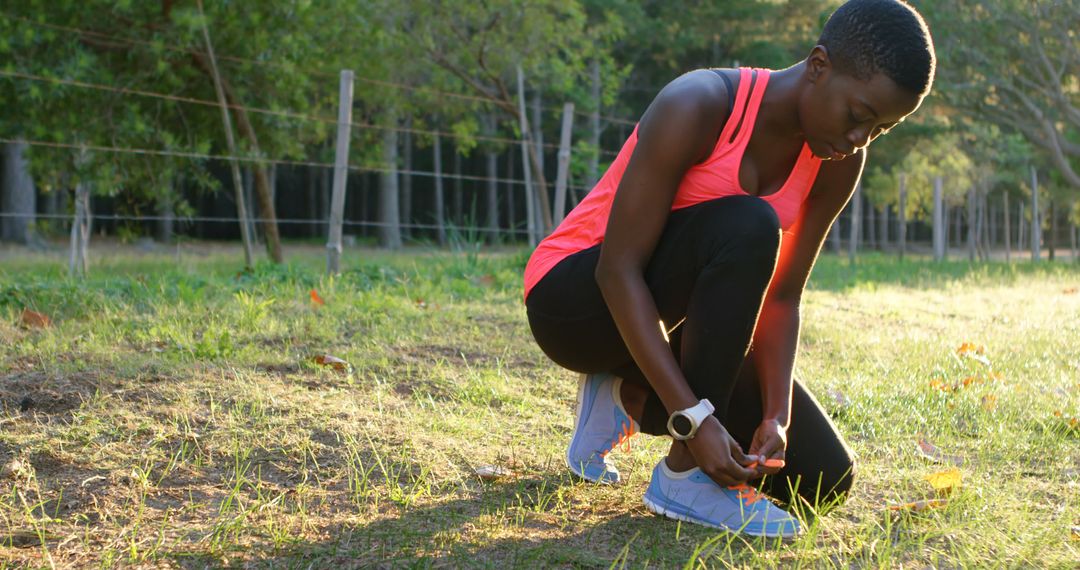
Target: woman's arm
[679,129]
[777,335]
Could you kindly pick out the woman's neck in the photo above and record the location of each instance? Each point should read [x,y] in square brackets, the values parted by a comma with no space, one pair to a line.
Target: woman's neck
[780,105]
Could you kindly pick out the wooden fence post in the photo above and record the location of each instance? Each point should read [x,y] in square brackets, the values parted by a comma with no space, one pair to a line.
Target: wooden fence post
[563,176]
[901,213]
[939,221]
[440,193]
[1036,225]
[1008,229]
[341,171]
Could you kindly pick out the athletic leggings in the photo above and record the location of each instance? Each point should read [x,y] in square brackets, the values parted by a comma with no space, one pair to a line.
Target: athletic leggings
[711,266]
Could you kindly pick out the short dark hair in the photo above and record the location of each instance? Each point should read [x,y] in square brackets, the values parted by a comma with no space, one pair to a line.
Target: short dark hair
[864,37]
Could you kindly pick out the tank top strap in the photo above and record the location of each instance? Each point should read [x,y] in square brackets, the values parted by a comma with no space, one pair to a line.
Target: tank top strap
[737,111]
[753,105]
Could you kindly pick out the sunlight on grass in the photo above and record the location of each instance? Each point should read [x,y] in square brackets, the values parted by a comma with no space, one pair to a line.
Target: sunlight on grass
[173,414]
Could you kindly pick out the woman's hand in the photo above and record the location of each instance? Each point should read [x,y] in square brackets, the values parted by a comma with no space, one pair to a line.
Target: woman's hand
[719,455]
[769,444]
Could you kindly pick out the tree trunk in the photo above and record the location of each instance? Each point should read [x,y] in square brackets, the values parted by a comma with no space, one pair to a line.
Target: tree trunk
[1021,230]
[389,212]
[538,128]
[312,195]
[883,229]
[1051,240]
[1072,240]
[871,224]
[856,215]
[19,196]
[262,185]
[971,224]
[492,182]
[511,190]
[407,179]
[459,199]
[440,197]
[594,121]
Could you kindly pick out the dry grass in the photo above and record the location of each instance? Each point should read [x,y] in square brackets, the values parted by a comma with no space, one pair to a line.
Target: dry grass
[172,416]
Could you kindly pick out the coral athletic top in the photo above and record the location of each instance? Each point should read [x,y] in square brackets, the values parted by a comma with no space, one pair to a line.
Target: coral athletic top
[716,177]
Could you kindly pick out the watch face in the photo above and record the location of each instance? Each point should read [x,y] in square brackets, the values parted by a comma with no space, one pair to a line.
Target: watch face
[681,424]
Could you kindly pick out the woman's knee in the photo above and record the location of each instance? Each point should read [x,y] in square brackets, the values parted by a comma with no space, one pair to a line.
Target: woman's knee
[743,225]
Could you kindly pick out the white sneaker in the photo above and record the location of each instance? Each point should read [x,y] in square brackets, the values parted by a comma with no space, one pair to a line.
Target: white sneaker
[693,497]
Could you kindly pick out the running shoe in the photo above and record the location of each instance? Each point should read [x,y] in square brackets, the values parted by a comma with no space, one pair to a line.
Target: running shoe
[693,497]
[601,425]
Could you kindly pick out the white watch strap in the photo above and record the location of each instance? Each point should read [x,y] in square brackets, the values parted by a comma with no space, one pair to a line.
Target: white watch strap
[695,414]
[701,411]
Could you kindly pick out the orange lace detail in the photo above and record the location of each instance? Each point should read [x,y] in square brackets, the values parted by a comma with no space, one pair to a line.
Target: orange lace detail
[747,493]
[627,432]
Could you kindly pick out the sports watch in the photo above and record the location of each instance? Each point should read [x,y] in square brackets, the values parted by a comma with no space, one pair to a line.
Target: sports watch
[683,424]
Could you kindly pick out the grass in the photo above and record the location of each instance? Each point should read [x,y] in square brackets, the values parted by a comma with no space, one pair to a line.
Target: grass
[174,417]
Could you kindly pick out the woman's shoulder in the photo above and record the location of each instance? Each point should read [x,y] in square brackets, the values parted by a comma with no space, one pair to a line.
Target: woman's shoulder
[698,99]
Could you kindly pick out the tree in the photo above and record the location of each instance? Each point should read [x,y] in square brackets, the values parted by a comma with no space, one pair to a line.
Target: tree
[1029,83]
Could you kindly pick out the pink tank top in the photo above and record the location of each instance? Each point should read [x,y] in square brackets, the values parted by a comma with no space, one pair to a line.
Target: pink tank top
[716,177]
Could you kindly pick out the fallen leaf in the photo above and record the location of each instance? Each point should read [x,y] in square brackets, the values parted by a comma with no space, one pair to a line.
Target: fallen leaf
[315,298]
[1071,290]
[945,481]
[421,304]
[34,320]
[487,280]
[989,402]
[333,362]
[917,506]
[931,452]
[970,380]
[940,384]
[1075,532]
[491,472]
[976,352]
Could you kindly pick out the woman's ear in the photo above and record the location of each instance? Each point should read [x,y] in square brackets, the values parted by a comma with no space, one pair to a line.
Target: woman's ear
[818,64]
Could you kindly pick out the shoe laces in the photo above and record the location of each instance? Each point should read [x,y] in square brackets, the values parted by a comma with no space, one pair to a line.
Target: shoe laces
[626,431]
[748,494]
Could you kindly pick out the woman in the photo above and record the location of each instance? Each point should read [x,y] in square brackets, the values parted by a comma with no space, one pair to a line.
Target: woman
[708,222]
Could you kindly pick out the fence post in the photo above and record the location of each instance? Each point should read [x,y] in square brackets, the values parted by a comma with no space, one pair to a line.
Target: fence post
[241,206]
[901,212]
[939,221]
[440,195]
[1036,225]
[341,171]
[564,163]
[1008,230]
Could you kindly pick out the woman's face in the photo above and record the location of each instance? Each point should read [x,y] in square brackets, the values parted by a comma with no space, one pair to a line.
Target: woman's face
[841,114]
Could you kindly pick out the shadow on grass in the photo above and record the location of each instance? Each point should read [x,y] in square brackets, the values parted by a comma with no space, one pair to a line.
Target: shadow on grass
[498,527]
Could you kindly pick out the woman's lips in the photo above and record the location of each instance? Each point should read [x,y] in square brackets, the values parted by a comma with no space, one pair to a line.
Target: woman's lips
[835,154]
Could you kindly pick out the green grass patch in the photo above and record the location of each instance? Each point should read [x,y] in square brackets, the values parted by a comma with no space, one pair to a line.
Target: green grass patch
[172,415]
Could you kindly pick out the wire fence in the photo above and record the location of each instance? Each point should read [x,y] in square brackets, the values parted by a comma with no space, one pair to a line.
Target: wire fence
[879,228]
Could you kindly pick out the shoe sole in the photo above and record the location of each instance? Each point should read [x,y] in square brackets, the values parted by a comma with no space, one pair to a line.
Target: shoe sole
[582,384]
[659,510]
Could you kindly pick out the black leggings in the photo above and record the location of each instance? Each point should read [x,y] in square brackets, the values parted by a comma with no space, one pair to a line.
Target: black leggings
[711,266]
